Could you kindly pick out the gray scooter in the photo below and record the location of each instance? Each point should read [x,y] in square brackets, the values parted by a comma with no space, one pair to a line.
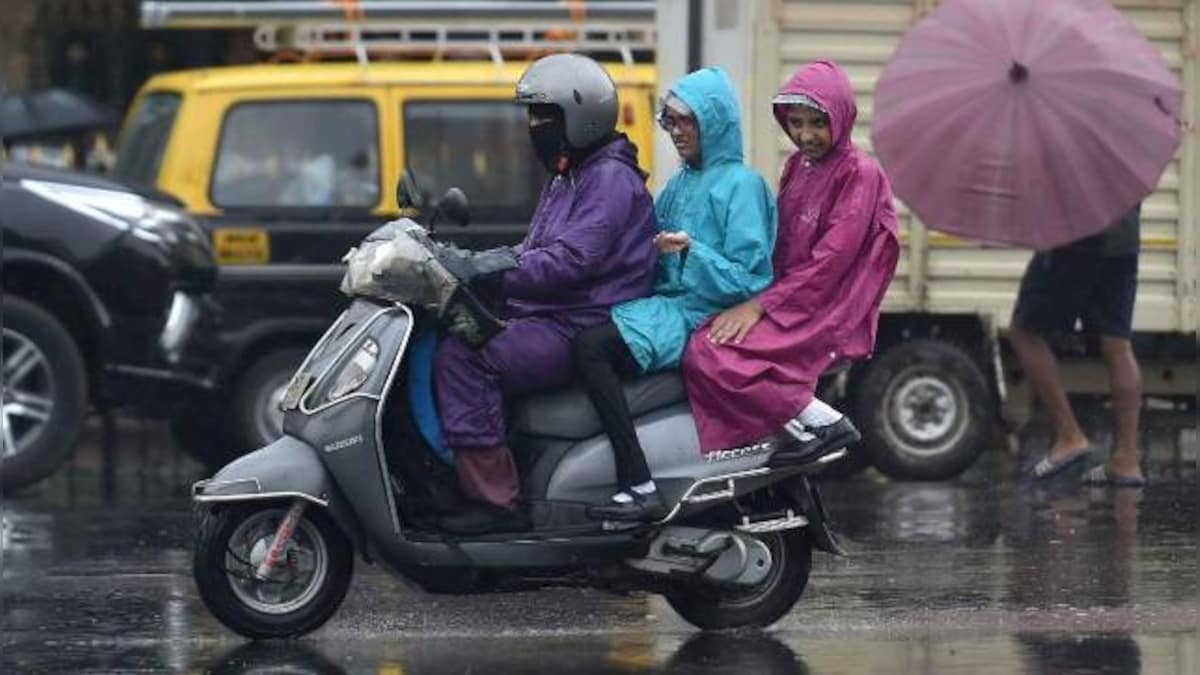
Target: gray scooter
[279,528]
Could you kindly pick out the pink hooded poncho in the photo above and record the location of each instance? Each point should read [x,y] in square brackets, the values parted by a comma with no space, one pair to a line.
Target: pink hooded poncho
[835,255]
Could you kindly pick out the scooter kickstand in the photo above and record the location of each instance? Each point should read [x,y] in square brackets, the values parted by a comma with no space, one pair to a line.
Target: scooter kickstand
[282,534]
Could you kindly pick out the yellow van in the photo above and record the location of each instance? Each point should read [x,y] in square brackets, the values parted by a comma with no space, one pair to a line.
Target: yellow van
[289,165]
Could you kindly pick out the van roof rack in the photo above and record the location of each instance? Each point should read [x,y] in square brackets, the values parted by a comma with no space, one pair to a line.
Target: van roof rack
[362,28]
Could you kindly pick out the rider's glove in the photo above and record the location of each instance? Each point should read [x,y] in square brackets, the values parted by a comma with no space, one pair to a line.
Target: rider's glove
[467,265]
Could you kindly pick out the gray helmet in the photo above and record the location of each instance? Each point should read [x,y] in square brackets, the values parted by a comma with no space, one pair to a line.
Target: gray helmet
[580,87]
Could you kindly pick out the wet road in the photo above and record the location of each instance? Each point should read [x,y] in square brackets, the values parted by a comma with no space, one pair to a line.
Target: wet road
[985,574]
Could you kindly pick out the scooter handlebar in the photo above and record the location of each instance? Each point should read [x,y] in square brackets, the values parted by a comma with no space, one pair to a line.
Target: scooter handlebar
[466,315]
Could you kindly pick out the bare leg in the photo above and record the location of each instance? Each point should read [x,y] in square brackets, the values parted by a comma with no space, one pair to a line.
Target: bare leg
[1125,382]
[1040,366]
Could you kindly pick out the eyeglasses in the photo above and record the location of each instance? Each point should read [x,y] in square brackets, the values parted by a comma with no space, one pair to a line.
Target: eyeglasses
[669,122]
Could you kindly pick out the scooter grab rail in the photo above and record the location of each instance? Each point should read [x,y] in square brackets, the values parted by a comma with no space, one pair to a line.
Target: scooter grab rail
[688,498]
[730,479]
[716,495]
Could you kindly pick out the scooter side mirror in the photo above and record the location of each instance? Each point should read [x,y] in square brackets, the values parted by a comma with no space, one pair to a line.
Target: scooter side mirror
[454,206]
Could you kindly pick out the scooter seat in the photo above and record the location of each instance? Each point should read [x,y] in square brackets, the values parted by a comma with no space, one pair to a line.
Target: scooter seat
[569,414]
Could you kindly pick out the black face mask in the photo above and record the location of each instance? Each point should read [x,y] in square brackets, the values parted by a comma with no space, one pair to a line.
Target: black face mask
[550,144]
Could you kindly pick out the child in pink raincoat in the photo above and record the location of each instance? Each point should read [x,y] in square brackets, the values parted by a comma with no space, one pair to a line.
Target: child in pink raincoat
[752,371]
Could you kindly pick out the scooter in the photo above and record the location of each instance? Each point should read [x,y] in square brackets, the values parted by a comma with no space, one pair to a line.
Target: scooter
[279,528]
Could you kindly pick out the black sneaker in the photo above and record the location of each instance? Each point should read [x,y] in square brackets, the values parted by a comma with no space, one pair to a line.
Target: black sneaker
[799,444]
[642,507]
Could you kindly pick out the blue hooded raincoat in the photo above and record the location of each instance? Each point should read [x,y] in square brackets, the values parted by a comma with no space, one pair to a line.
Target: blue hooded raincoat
[729,214]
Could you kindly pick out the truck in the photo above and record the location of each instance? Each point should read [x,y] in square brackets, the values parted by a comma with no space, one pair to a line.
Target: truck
[942,385]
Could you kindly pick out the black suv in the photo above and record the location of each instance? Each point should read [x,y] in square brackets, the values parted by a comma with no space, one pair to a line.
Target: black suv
[105,298]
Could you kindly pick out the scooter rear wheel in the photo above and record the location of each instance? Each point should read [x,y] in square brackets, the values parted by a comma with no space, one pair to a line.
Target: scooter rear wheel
[760,605]
[297,597]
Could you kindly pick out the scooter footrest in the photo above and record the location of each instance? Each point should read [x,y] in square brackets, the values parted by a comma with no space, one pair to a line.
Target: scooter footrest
[787,521]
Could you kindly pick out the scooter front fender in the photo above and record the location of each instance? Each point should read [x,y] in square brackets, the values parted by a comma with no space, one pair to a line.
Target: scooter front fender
[287,469]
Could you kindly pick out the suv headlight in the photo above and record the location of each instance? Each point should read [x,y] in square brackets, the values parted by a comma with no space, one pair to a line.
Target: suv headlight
[123,210]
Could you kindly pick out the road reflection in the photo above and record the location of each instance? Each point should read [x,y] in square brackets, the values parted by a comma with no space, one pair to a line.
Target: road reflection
[982,575]
[715,653]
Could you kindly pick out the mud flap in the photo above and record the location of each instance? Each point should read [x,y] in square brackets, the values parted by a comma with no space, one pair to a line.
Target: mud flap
[808,499]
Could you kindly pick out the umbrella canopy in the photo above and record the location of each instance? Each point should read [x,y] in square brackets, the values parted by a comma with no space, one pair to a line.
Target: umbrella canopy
[49,112]
[1026,122]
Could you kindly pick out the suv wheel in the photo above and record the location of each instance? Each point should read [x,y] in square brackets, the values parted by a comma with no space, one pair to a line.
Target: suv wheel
[256,403]
[44,395]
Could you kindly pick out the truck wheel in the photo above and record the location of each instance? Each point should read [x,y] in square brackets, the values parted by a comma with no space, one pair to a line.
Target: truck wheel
[44,395]
[256,402]
[925,410]
[297,597]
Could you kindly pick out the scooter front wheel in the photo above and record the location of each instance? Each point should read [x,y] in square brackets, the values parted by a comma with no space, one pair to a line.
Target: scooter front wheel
[759,605]
[297,596]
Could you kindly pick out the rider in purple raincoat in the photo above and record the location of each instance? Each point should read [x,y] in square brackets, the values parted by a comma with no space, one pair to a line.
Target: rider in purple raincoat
[590,246]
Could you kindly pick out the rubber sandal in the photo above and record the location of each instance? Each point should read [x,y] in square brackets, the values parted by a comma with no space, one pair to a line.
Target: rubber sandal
[1099,475]
[1047,467]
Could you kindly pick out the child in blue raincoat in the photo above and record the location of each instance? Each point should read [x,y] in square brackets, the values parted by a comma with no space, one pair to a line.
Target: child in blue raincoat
[716,221]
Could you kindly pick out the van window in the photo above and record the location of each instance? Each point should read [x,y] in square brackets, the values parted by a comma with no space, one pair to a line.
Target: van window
[480,146]
[298,154]
[144,140]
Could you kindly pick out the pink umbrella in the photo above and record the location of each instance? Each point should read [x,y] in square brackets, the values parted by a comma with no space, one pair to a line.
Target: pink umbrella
[1026,122]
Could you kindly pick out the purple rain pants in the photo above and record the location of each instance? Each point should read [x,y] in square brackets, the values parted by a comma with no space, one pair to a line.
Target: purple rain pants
[530,354]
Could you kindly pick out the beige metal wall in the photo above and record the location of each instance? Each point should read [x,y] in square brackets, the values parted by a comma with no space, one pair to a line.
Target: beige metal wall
[943,275]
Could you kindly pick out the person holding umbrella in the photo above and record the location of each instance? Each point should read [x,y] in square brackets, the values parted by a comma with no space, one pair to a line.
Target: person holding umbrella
[1039,124]
[1093,280]
[751,372]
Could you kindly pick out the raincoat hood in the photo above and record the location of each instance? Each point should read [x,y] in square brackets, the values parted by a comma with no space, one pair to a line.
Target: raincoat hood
[826,83]
[729,215]
[710,94]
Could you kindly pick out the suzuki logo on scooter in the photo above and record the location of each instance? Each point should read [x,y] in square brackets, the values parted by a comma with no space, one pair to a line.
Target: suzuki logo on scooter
[344,443]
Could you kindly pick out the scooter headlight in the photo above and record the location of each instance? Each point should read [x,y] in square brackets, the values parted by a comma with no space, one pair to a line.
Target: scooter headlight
[356,371]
